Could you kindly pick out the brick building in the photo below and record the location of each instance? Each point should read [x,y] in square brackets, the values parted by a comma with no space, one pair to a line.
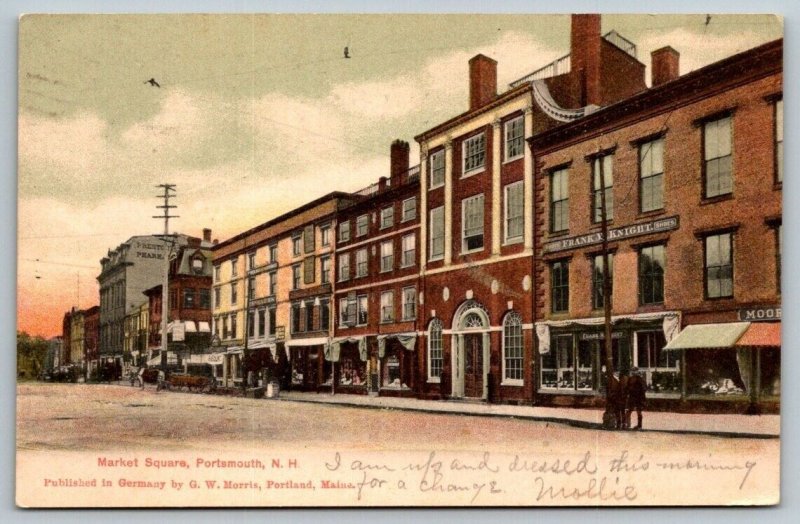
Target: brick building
[271,293]
[91,326]
[189,322]
[693,172]
[476,239]
[377,280]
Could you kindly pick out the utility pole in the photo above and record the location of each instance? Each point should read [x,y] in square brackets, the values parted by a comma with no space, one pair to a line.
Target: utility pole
[607,346]
[169,189]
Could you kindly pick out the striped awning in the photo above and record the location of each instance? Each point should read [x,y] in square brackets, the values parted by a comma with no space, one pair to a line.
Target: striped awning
[761,334]
[707,336]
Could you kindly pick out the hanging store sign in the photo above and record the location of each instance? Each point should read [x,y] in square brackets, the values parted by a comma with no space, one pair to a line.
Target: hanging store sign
[280,333]
[635,230]
[760,314]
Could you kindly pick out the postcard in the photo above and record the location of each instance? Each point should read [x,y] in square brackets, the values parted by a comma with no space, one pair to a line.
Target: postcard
[296,260]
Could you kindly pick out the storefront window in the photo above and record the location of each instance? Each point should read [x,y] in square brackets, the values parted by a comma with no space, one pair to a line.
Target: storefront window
[770,366]
[716,372]
[558,365]
[661,368]
[352,371]
[391,373]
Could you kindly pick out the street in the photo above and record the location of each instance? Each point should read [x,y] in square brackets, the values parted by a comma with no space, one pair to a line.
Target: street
[62,425]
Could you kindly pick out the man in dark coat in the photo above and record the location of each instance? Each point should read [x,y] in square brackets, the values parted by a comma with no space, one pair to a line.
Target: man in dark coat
[636,389]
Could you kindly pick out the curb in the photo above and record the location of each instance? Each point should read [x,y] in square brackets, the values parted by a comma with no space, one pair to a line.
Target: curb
[580,424]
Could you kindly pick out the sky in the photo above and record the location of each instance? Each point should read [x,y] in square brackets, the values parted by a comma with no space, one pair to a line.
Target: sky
[256,114]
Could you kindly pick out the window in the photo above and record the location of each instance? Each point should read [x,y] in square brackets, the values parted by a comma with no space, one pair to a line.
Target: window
[362,263]
[344,266]
[325,235]
[409,303]
[387,256]
[472,224]
[308,239]
[234,293]
[651,274]
[651,175]
[273,253]
[295,318]
[325,269]
[513,353]
[251,288]
[779,141]
[363,310]
[309,265]
[597,280]
[559,200]
[474,153]
[251,324]
[251,260]
[409,245]
[262,322]
[436,230]
[558,365]
[514,207]
[204,295]
[273,282]
[233,326]
[344,231]
[387,217]
[216,273]
[409,209]
[778,253]
[435,353]
[217,297]
[597,192]
[234,266]
[559,286]
[663,366]
[718,160]
[297,245]
[324,315]
[188,298]
[343,312]
[197,264]
[437,169]
[387,306]
[515,131]
[225,331]
[719,265]
[296,276]
[362,225]
[272,324]
[309,311]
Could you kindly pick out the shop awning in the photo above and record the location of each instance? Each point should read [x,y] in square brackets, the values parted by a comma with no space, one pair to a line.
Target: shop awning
[333,350]
[707,336]
[204,327]
[761,334]
[407,340]
[317,341]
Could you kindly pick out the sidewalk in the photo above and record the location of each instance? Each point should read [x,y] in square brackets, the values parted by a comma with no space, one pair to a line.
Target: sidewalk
[752,426]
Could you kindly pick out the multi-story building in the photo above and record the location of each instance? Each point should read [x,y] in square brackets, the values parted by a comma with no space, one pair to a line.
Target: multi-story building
[76,344]
[271,294]
[134,266]
[91,326]
[476,200]
[692,171]
[377,282]
[189,312]
[54,349]
[66,338]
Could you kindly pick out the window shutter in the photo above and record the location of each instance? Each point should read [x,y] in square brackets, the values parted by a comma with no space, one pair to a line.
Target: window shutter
[308,237]
[308,270]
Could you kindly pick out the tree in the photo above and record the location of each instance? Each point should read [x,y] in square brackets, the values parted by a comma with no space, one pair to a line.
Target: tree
[31,354]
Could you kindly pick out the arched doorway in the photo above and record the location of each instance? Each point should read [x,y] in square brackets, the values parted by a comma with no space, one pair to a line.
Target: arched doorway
[470,355]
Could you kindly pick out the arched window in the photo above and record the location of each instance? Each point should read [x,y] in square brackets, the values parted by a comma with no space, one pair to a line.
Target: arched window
[513,350]
[435,353]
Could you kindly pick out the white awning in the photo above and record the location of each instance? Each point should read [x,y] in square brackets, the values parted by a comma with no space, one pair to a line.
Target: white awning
[204,327]
[333,350]
[317,341]
[190,326]
[707,336]
[407,340]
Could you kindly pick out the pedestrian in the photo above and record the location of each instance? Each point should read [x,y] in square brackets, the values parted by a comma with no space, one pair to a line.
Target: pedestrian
[636,389]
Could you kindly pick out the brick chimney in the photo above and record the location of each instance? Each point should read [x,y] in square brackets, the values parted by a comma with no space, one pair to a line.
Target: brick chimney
[206,234]
[399,161]
[585,42]
[664,65]
[482,81]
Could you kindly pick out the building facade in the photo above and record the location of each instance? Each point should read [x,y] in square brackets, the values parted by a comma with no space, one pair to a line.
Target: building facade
[91,326]
[271,292]
[476,197]
[691,171]
[375,348]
